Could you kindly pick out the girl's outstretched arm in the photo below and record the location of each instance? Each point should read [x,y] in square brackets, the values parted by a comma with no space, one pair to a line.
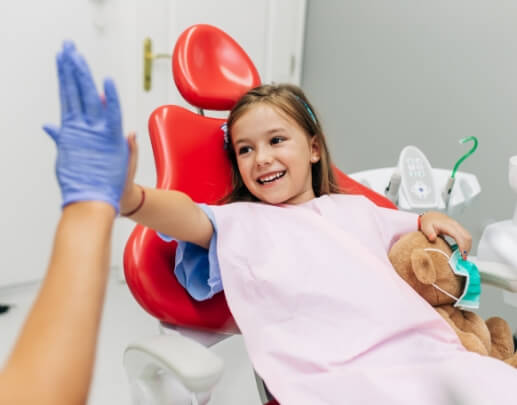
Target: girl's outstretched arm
[170,212]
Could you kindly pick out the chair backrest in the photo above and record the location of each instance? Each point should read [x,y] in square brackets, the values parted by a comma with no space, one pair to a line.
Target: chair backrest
[210,68]
[211,71]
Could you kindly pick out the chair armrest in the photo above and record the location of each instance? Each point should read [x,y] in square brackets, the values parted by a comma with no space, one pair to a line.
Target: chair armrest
[497,274]
[196,367]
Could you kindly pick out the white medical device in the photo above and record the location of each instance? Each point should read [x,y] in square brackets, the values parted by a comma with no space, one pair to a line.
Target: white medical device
[413,185]
[417,183]
[498,247]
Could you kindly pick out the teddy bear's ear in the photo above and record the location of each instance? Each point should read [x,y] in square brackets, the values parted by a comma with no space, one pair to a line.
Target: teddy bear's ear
[423,266]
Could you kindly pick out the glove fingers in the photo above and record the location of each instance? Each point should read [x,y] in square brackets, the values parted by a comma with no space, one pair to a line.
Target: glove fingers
[91,102]
[114,120]
[68,46]
[52,131]
[68,83]
[65,108]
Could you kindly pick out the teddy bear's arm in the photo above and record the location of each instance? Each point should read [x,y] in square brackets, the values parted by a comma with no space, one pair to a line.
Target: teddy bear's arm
[469,340]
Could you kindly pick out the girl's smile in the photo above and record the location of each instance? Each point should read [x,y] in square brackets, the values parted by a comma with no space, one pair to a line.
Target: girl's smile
[270,178]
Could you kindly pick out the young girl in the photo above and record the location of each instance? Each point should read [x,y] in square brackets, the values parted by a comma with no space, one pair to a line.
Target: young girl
[325,317]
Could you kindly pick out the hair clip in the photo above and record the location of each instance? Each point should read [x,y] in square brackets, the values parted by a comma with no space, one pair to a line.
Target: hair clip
[226,139]
[307,108]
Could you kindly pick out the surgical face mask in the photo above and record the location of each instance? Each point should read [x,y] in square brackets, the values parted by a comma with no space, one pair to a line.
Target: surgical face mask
[469,299]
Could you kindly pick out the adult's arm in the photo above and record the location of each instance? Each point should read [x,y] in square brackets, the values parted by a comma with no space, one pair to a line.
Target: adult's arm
[53,358]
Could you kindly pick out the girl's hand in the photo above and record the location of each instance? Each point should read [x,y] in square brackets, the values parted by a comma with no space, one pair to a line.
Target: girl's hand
[434,223]
[131,192]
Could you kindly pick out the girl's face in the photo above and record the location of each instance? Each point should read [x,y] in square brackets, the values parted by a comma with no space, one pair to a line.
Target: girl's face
[274,156]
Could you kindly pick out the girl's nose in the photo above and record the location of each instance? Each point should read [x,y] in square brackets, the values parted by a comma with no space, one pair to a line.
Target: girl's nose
[263,157]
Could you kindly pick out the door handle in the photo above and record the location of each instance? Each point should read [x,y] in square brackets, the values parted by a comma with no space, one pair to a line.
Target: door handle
[148,62]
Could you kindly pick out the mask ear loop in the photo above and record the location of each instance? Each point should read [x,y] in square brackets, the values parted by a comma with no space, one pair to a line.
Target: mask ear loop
[438,251]
[445,292]
[436,285]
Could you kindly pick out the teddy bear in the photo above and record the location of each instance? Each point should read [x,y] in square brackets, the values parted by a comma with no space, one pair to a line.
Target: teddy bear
[421,268]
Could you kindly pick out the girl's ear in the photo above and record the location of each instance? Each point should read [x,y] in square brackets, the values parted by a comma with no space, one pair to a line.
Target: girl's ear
[315,149]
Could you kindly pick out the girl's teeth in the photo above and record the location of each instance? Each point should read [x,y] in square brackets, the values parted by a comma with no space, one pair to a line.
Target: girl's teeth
[271,178]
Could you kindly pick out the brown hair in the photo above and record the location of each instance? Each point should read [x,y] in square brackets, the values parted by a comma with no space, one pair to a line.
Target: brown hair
[290,100]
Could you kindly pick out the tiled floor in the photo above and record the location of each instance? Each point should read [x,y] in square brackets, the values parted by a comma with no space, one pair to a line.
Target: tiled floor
[124,322]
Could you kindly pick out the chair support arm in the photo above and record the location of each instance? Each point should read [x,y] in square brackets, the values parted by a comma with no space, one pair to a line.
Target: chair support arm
[193,365]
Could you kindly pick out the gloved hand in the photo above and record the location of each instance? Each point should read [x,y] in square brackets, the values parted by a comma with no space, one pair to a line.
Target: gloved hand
[92,153]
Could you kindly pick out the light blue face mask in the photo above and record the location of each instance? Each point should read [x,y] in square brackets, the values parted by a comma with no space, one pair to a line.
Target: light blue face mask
[469,299]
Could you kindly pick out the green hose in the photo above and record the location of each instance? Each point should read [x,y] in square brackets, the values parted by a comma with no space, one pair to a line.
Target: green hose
[466,155]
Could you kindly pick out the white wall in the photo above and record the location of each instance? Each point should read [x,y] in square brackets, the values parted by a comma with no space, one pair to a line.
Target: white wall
[31,35]
[107,32]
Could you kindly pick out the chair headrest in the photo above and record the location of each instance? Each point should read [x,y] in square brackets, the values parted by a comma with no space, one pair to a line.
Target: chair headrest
[210,68]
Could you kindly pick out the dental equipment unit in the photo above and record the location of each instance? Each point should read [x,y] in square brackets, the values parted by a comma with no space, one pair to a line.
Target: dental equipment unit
[415,186]
[496,250]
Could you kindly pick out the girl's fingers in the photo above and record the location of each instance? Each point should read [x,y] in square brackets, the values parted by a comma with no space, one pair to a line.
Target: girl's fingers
[460,235]
[133,156]
[438,224]
[429,230]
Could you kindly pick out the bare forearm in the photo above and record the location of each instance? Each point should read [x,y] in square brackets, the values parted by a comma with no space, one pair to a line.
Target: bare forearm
[56,349]
[170,212]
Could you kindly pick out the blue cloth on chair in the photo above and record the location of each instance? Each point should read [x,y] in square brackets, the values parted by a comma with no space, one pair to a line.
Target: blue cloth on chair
[196,268]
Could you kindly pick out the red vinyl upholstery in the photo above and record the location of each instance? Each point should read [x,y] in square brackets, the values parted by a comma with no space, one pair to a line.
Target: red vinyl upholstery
[210,69]
[189,156]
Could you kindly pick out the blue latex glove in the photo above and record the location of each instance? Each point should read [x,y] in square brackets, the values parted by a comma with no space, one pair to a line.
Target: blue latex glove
[92,153]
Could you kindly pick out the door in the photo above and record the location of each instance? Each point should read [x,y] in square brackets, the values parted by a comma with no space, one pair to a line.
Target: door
[271,32]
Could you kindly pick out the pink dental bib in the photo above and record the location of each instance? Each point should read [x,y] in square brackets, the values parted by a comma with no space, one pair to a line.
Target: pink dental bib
[325,317]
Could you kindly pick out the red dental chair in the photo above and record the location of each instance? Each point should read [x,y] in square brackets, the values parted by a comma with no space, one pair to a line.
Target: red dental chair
[211,72]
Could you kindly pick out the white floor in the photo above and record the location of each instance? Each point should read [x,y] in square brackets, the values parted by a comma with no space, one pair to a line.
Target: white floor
[124,322]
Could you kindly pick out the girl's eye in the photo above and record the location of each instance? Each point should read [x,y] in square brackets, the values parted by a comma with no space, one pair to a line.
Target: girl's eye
[277,139]
[244,149]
